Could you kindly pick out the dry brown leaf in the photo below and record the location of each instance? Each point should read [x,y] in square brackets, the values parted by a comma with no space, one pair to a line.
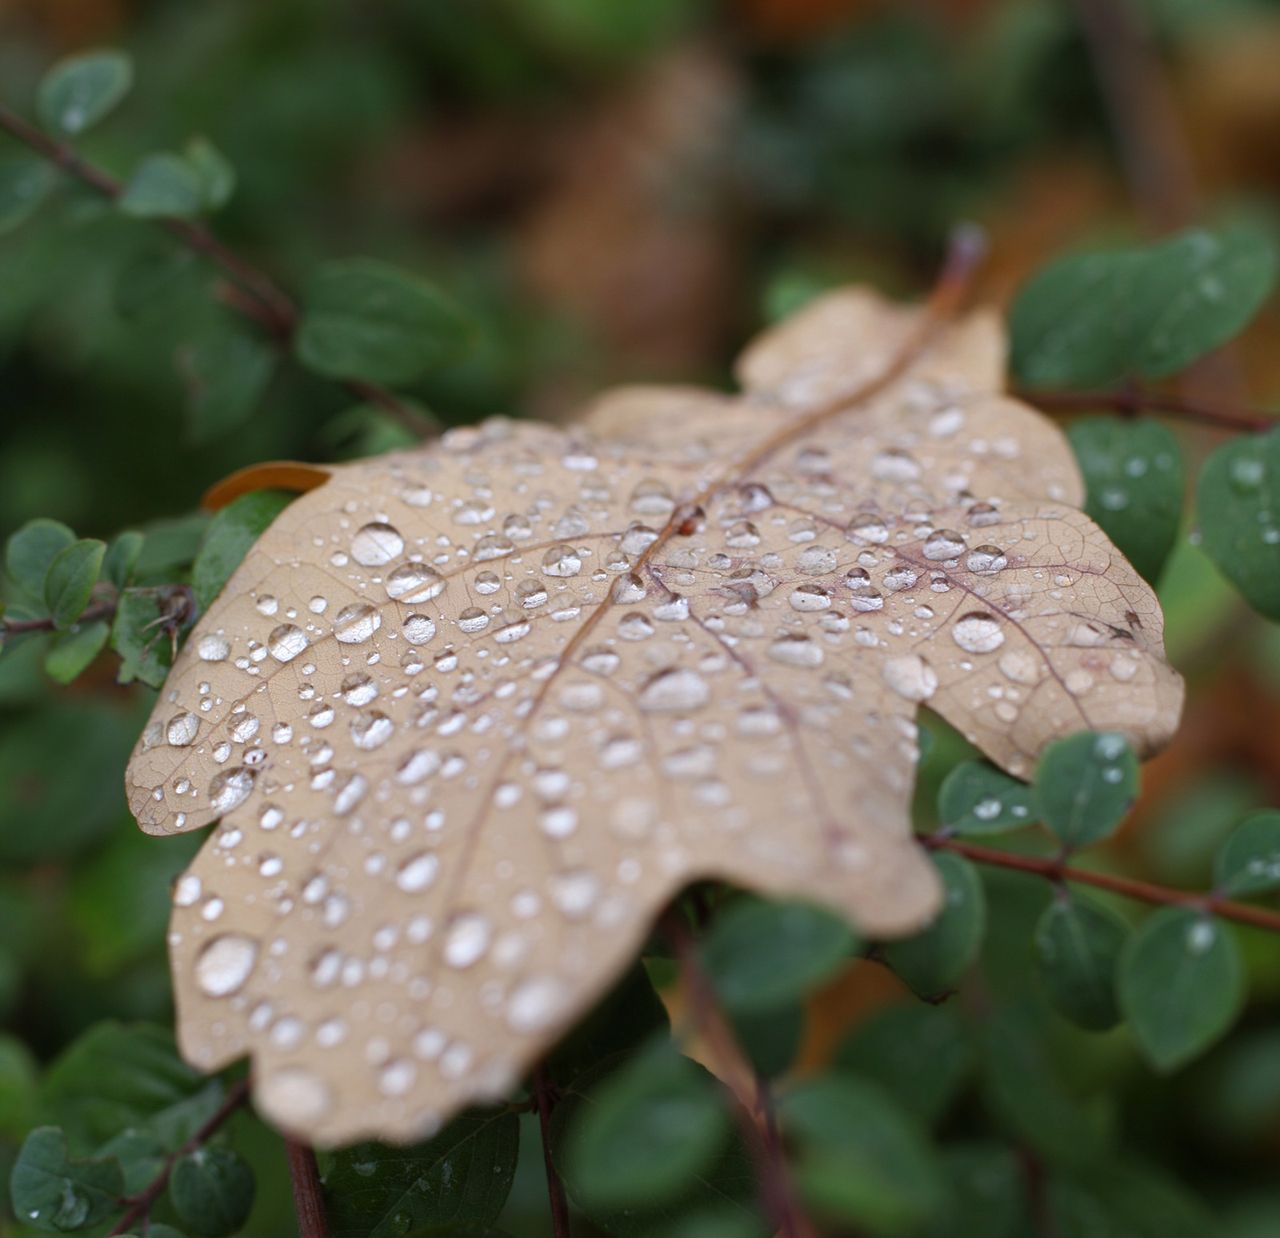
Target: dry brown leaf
[471,715]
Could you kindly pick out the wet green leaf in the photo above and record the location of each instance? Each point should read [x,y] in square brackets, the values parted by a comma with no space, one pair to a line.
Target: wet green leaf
[761,955]
[1238,510]
[1077,949]
[212,1191]
[1084,785]
[771,1038]
[1149,311]
[976,798]
[1249,861]
[1135,482]
[1181,985]
[988,1193]
[462,1176]
[53,1191]
[364,319]
[934,960]
[80,90]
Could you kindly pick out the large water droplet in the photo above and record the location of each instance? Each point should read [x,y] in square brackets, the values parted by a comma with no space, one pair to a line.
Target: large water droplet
[376,544]
[230,788]
[224,964]
[356,623]
[414,582]
[674,690]
[286,642]
[978,632]
[182,729]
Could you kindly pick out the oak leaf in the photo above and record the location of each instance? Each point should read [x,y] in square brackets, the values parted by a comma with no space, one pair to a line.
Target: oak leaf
[471,715]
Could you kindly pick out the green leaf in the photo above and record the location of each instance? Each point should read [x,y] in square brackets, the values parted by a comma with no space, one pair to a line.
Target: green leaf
[51,1191]
[920,1054]
[934,960]
[229,536]
[226,372]
[628,1015]
[31,550]
[212,1191]
[1084,785]
[988,1193]
[79,91]
[645,1132]
[163,186]
[1125,1201]
[122,557]
[70,580]
[1249,861]
[976,798]
[117,1077]
[363,319]
[17,1086]
[761,955]
[73,651]
[141,1156]
[1149,311]
[25,182]
[1135,481]
[213,170]
[462,1176]
[1238,510]
[861,1157]
[1024,1090]
[1077,950]
[1181,985]
[138,636]
[770,1039]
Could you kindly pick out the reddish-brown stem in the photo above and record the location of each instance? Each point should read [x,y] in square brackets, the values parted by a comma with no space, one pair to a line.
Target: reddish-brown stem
[255,294]
[15,627]
[544,1099]
[1131,402]
[140,1205]
[758,1132]
[308,1195]
[1054,869]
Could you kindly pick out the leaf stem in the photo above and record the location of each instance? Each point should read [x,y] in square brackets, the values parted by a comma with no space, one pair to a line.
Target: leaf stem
[1054,869]
[257,296]
[18,627]
[140,1205]
[308,1195]
[544,1095]
[753,1112]
[1132,401]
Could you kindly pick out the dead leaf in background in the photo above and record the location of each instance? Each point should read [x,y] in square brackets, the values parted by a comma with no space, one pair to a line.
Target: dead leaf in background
[471,715]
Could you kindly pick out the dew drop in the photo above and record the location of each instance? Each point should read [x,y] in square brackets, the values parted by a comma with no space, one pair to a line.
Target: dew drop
[182,729]
[376,544]
[414,583]
[224,964]
[674,690]
[286,642]
[419,629]
[230,788]
[978,632]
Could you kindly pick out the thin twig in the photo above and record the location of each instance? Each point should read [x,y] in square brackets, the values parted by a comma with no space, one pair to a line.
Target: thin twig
[308,1195]
[255,294]
[753,1112]
[1056,870]
[1131,402]
[544,1097]
[17,627]
[141,1204]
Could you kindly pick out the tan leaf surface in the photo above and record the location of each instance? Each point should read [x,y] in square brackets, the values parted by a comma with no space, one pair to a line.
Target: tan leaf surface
[471,715]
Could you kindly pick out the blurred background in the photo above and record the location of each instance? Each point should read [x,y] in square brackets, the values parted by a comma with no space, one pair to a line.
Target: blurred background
[614,190]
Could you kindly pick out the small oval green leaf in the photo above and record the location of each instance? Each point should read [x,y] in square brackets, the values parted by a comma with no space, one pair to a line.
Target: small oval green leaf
[212,1191]
[976,798]
[1077,950]
[70,580]
[1084,785]
[933,961]
[80,90]
[1249,861]
[1181,985]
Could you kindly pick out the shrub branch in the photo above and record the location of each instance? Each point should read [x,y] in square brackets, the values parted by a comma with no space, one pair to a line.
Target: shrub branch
[255,294]
[308,1195]
[544,1100]
[1055,869]
[140,1205]
[1131,401]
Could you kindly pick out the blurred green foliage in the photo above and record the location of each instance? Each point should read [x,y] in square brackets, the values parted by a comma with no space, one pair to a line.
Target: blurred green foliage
[392,166]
